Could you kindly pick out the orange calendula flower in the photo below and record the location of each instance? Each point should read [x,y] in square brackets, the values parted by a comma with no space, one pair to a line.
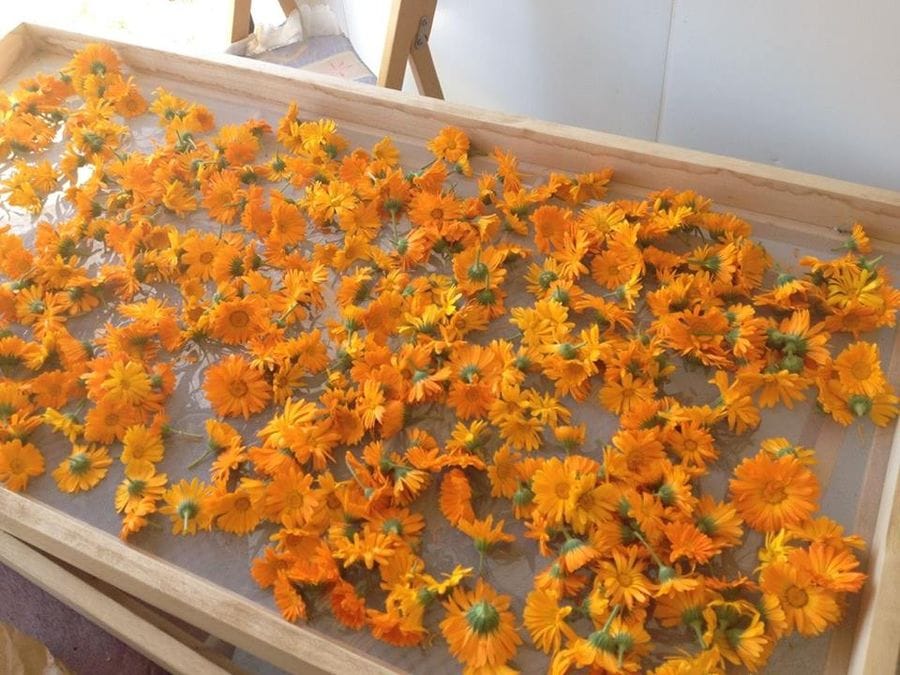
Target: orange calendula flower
[479,627]
[687,541]
[773,493]
[555,491]
[141,484]
[831,567]
[737,631]
[178,198]
[234,388]
[348,607]
[475,376]
[624,580]
[859,369]
[236,321]
[779,447]
[110,419]
[237,512]
[456,496]
[401,624]
[19,463]
[545,620]
[485,533]
[83,469]
[451,144]
[809,609]
[289,600]
[141,448]
[188,505]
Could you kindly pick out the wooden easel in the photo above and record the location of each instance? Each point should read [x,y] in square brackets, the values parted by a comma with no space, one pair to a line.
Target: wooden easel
[409,28]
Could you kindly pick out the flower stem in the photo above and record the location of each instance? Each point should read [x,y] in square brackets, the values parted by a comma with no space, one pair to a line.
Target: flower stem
[611,618]
[199,460]
[696,626]
[186,434]
[640,537]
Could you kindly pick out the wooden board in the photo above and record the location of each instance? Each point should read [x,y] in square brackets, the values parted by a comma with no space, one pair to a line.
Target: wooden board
[135,631]
[784,206]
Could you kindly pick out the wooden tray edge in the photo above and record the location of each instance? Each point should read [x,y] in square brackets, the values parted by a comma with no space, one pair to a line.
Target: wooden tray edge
[133,630]
[218,611]
[744,185]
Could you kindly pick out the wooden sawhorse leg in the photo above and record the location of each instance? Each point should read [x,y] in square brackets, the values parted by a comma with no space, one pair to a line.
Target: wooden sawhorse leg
[407,38]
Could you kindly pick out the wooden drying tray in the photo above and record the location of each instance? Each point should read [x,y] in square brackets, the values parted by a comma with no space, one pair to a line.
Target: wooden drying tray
[783,205]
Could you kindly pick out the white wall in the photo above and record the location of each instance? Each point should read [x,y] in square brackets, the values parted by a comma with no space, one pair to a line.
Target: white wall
[588,63]
[807,84]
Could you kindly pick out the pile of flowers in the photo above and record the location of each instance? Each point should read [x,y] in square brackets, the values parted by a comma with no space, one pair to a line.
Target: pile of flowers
[399,337]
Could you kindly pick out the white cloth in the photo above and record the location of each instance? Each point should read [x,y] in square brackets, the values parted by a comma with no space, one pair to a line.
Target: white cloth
[318,20]
[266,36]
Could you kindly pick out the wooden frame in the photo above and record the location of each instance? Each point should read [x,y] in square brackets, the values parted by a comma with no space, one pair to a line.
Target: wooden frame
[136,631]
[786,205]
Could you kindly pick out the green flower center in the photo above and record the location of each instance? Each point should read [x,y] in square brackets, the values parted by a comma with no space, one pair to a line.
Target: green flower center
[79,464]
[567,351]
[392,526]
[571,544]
[706,525]
[546,278]
[523,496]
[483,617]
[188,509]
[860,405]
[666,494]
[792,363]
[468,373]
[603,641]
[667,573]
[561,295]
[136,487]
[478,271]
[486,296]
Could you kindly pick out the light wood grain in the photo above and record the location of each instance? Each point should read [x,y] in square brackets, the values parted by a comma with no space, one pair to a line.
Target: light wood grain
[141,635]
[408,21]
[876,640]
[424,72]
[240,20]
[216,610]
[402,23]
[15,49]
[165,623]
